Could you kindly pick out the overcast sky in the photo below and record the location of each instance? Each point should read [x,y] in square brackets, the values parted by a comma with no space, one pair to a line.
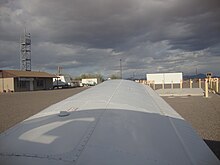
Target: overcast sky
[91,36]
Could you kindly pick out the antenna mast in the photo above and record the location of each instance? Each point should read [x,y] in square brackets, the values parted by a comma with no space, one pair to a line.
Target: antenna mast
[25,51]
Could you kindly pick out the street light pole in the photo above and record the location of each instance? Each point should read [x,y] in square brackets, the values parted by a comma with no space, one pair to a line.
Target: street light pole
[120,69]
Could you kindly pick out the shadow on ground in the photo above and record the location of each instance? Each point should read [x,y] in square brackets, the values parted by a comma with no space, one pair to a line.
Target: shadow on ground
[214,146]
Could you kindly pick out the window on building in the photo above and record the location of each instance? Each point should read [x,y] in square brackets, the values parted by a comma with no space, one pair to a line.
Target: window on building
[40,83]
[22,84]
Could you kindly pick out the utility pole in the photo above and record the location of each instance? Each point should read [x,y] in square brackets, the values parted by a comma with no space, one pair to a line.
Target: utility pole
[120,69]
[59,70]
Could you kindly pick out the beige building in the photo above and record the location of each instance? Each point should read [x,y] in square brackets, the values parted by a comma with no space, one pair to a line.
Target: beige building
[16,80]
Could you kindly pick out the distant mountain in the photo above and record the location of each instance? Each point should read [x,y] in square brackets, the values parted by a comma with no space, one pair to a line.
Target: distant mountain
[199,76]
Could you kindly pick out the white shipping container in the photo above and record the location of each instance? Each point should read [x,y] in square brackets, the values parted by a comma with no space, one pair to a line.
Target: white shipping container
[166,78]
[90,81]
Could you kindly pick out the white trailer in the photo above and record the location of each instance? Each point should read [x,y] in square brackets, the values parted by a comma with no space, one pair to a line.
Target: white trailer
[165,78]
[90,81]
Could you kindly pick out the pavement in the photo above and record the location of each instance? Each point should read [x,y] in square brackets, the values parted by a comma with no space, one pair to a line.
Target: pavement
[181,92]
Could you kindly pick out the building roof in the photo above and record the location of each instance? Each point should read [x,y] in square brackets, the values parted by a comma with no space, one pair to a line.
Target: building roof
[19,73]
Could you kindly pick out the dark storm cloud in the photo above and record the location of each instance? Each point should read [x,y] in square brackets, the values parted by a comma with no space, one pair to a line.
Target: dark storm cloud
[100,24]
[93,35]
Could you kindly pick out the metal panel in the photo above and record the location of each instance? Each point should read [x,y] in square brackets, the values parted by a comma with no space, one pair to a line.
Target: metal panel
[116,122]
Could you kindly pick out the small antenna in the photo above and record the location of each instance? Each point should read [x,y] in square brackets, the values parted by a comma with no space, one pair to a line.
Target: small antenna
[25,28]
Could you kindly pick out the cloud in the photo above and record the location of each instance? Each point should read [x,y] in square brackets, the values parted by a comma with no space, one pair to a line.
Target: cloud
[9,54]
[93,35]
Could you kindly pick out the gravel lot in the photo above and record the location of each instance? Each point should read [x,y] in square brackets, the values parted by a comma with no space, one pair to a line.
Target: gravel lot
[15,107]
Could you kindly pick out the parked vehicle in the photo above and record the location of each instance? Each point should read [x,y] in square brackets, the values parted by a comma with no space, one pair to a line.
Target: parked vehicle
[62,81]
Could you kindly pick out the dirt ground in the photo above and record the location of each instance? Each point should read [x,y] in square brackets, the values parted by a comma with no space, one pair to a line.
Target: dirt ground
[15,107]
[203,114]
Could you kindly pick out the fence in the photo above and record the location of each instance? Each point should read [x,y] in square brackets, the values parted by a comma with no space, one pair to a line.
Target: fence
[208,84]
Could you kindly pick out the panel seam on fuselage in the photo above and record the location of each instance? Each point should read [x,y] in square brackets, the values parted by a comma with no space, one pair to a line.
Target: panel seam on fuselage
[92,128]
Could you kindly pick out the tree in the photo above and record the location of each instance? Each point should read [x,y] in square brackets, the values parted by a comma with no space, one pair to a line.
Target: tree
[113,76]
[90,75]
